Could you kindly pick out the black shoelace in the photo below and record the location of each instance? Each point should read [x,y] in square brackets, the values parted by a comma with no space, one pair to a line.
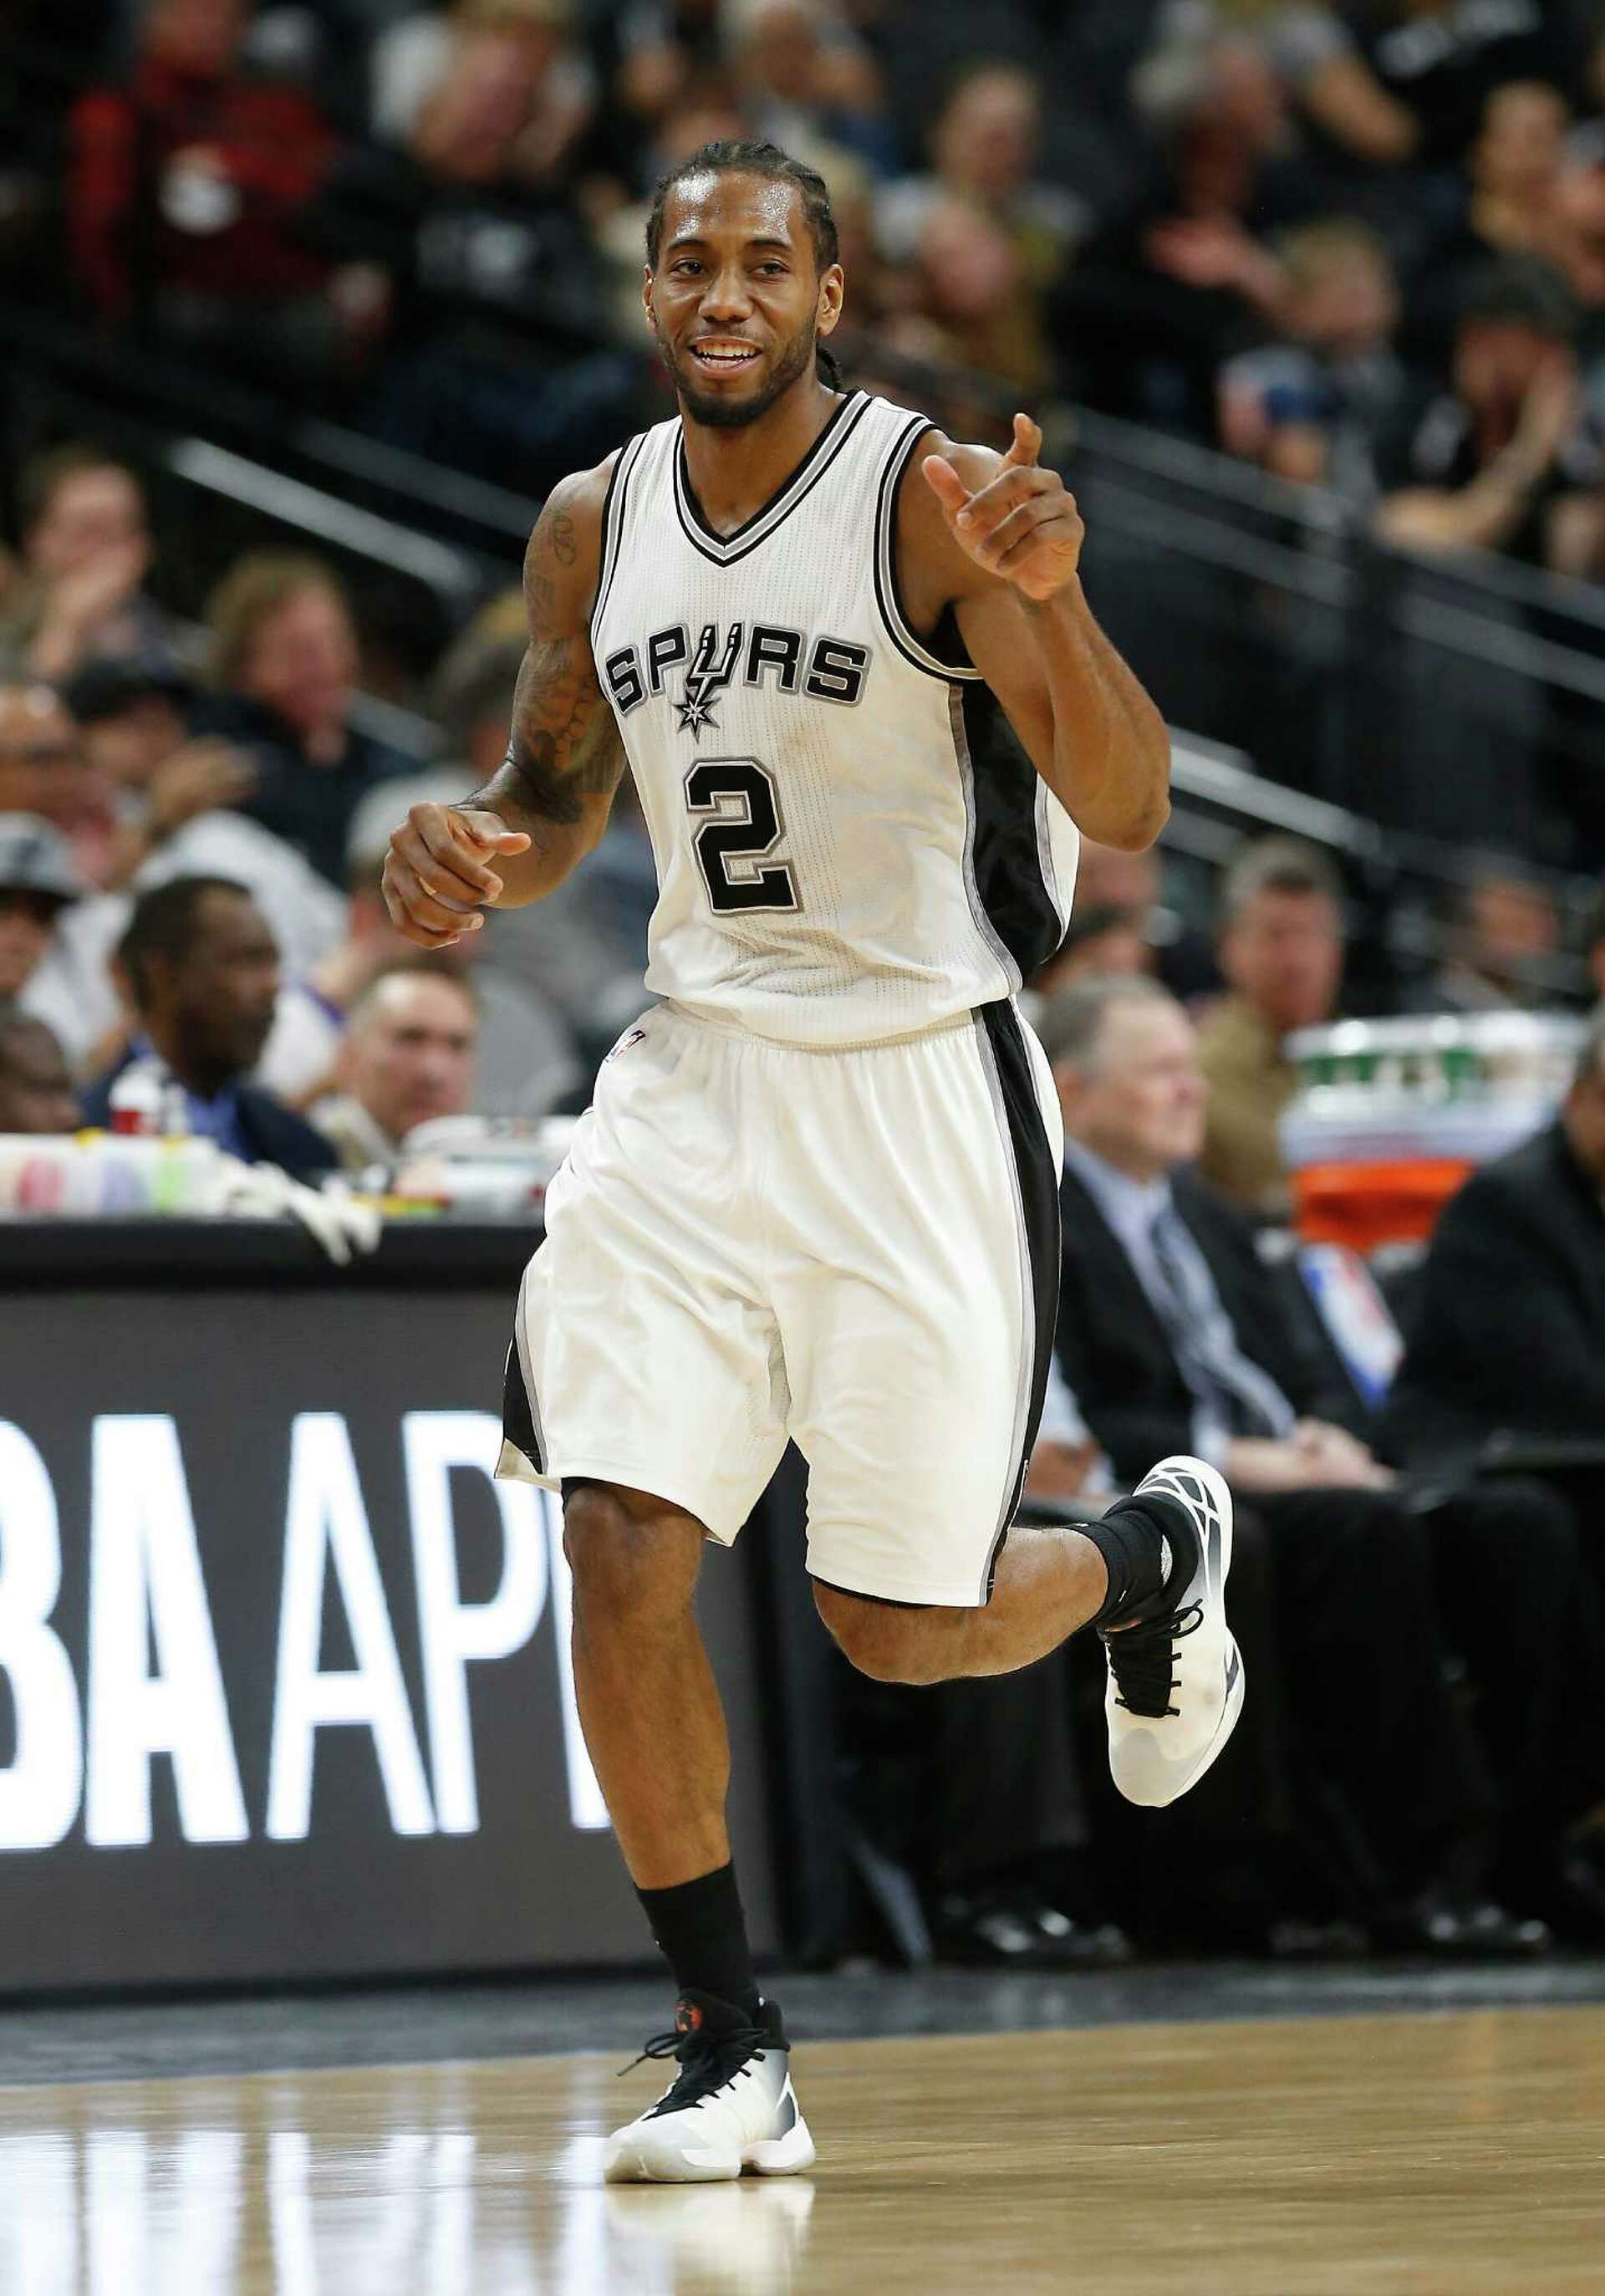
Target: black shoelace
[1143,1660]
[704,2064]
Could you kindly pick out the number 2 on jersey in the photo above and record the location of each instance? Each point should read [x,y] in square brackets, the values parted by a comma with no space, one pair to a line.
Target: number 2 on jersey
[732,846]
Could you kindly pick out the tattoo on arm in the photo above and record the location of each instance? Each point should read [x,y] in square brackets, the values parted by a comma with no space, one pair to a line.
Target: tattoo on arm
[564,752]
[564,749]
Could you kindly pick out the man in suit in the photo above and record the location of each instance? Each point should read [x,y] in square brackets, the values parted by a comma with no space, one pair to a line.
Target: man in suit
[1507,1327]
[202,967]
[1172,1332]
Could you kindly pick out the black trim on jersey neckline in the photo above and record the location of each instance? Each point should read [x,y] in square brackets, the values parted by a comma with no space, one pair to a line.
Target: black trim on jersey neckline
[889,595]
[726,549]
[612,524]
[1037,1177]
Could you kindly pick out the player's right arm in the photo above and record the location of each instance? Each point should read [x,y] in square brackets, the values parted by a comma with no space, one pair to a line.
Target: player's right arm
[520,835]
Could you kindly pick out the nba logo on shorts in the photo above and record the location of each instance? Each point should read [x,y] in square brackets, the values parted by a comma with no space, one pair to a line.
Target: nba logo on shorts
[630,1036]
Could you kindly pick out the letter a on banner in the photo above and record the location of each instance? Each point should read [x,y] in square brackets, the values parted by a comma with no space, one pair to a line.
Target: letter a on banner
[145,1587]
[326,1522]
[40,1788]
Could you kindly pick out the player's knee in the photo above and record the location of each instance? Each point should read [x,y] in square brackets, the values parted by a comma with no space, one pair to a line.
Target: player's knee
[625,1559]
[889,1642]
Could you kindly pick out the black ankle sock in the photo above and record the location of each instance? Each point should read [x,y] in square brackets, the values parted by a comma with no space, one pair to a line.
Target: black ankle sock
[702,1933]
[1132,1537]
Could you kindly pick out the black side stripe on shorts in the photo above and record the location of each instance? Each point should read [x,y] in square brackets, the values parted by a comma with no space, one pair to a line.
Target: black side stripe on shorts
[1037,1177]
[521,1414]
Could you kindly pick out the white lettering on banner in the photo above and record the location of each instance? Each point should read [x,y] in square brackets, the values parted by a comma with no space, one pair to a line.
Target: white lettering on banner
[587,1808]
[41,1788]
[452,1632]
[325,1518]
[145,1588]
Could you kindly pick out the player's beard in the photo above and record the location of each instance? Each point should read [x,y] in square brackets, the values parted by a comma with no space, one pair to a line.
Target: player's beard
[718,414]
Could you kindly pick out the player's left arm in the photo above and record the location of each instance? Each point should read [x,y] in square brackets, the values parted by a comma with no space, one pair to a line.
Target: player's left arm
[999,539]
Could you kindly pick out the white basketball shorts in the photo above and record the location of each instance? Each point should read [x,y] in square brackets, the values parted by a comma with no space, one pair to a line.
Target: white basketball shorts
[857,1249]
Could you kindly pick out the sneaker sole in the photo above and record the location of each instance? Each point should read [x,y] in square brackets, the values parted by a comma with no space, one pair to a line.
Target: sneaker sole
[774,2156]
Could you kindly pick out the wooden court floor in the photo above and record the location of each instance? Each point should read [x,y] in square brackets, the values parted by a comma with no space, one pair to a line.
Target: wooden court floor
[1347,2156]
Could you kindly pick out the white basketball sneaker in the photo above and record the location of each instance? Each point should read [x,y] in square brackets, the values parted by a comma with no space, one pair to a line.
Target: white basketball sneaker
[1175,1681]
[730,2107]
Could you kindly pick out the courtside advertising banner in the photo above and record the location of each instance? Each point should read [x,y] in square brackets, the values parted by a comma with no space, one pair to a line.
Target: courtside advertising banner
[285,1686]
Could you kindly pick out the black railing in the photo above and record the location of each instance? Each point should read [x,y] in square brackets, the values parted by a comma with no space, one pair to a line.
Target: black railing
[1455,698]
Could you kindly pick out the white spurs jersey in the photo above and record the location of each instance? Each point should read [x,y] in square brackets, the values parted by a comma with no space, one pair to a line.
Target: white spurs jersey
[851,843]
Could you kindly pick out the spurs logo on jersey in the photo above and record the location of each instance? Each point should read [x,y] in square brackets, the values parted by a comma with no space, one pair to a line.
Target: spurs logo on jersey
[850,844]
[822,669]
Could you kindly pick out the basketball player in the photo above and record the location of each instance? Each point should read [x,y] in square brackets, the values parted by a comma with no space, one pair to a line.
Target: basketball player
[817,1193]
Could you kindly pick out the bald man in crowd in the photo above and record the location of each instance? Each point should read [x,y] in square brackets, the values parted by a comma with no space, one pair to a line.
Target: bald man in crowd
[408,1056]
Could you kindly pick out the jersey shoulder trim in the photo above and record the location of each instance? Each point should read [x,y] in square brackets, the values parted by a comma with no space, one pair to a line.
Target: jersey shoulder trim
[727,549]
[613,506]
[889,597]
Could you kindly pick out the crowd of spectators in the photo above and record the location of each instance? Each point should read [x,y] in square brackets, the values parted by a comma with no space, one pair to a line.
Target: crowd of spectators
[1356,241]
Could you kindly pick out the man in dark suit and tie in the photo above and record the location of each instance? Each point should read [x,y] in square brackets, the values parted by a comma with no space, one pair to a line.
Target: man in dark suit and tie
[1172,1331]
[1507,1329]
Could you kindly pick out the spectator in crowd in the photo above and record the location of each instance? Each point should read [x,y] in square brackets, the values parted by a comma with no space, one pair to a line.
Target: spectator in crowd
[972,291]
[1281,954]
[1165,293]
[203,972]
[1514,171]
[1575,243]
[1174,1337]
[1507,1326]
[1313,407]
[805,81]
[1100,938]
[659,55]
[45,772]
[985,149]
[84,557]
[1502,945]
[1307,45]
[1596,952]
[420,58]
[190,192]
[1438,60]
[407,1057]
[1488,465]
[283,661]
[175,795]
[35,1091]
[497,367]
[133,719]
[526,1060]
[37,882]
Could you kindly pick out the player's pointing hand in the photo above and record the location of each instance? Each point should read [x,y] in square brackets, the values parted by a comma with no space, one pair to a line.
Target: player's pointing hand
[438,873]
[1023,525]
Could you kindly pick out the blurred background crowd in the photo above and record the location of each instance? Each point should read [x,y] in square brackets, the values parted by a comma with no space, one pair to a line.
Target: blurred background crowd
[307,304]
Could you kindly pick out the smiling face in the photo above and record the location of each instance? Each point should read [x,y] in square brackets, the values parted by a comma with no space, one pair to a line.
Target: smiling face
[737,300]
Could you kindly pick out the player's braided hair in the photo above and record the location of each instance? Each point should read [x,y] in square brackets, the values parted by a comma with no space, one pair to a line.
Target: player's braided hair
[738,156]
